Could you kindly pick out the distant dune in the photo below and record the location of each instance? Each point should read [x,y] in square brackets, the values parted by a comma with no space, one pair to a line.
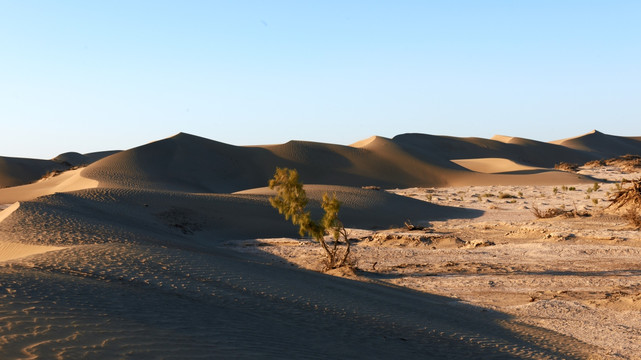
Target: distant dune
[190,163]
[21,171]
[601,146]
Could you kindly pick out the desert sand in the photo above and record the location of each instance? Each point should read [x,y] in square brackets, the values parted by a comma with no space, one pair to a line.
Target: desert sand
[171,250]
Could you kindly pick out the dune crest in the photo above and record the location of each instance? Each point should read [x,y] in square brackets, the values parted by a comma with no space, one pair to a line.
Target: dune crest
[71,180]
[502,138]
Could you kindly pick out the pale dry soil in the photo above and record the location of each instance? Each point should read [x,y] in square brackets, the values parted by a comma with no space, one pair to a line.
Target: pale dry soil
[580,277]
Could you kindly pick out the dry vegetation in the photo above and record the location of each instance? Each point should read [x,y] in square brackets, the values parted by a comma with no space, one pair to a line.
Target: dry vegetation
[555,212]
[627,163]
[628,198]
[565,166]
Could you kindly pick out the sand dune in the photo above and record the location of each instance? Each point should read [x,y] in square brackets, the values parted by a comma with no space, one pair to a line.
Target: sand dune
[529,152]
[146,262]
[602,145]
[19,171]
[407,160]
[178,164]
[77,159]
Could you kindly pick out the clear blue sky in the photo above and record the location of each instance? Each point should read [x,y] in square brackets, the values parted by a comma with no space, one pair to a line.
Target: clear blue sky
[95,75]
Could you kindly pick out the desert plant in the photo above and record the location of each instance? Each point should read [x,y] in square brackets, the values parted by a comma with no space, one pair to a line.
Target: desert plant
[627,196]
[633,217]
[627,163]
[595,201]
[596,186]
[506,196]
[555,190]
[572,188]
[554,212]
[412,227]
[594,163]
[564,166]
[291,201]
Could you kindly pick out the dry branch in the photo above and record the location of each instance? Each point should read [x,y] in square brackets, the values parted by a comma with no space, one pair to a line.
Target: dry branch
[627,196]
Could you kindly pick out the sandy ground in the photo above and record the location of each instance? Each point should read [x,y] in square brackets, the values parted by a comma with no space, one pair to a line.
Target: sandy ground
[580,277]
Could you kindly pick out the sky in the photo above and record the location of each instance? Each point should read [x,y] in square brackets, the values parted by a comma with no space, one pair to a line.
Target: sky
[89,76]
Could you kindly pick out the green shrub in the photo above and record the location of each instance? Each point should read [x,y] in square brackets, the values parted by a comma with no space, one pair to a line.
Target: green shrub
[291,201]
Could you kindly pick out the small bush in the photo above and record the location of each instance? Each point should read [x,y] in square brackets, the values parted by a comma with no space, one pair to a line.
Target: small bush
[565,166]
[555,212]
[506,196]
[628,196]
[633,217]
[594,163]
[627,163]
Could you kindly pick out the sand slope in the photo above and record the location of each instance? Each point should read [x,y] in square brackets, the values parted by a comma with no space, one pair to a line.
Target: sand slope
[137,285]
[16,250]
[71,180]
[601,145]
